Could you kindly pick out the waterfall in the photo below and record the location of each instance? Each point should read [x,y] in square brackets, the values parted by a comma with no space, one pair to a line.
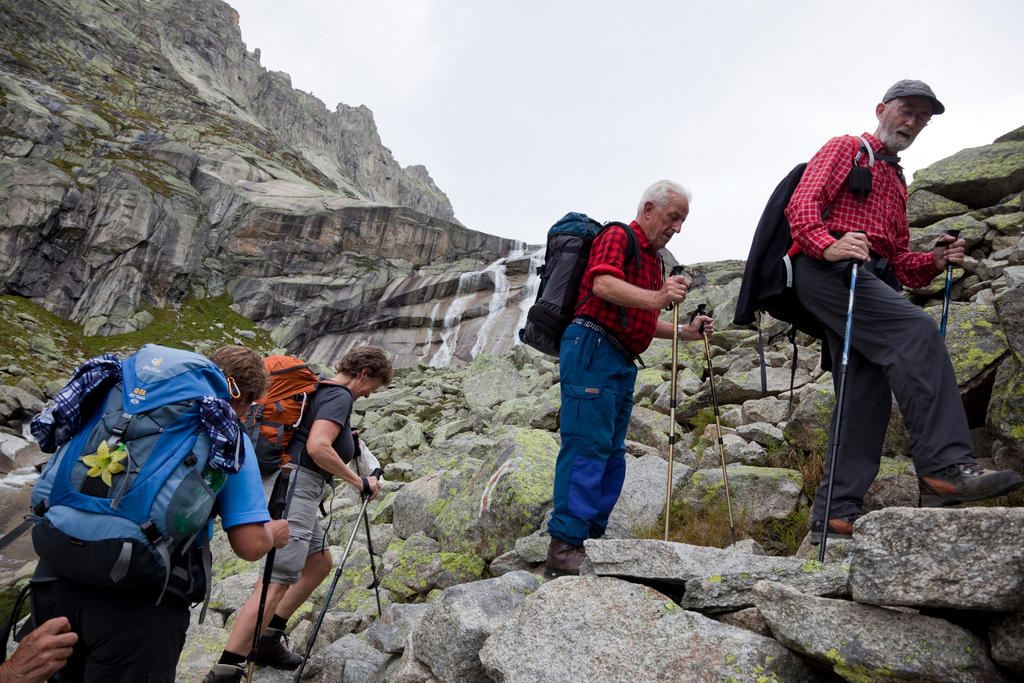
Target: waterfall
[495,306]
[529,289]
[453,319]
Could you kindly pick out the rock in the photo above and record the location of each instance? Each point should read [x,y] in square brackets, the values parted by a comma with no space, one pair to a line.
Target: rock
[349,659]
[229,594]
[643,492]
[715,580]
[409,572]
[16,403]
[412,505]
[924,207]
[749,619]
[971,229]
[766,434]
[867,643]
[594,628]
[808,428]
[389,633]
[770,409]
[1007,637]
[490,382]
[977,177]
[1009,306]
[895,485]
[974,339]
[488,512]
[758,493]
[928,558]
[458,621]
[1005,414]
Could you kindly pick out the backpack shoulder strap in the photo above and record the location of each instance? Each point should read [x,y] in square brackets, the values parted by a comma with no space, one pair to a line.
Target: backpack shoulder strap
[632,244]
[863,148]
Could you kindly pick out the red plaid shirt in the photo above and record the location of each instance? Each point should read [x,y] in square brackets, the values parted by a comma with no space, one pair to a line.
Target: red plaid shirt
[607,257]
[882,215]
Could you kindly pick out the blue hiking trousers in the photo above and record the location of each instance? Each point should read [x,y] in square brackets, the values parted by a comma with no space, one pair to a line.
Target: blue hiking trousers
[597,400]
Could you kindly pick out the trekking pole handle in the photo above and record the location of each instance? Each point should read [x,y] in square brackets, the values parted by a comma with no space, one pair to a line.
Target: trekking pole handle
[952,233]
[702,309]
[676,270]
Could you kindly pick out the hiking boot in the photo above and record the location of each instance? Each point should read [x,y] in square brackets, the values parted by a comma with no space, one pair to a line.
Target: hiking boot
[225,673]
[838,529]
[564,559]
[272,651]
[965,482]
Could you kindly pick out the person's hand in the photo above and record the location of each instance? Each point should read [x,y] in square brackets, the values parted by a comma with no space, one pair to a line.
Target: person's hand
[41,653]
[673,291]
[279,532]
[951,250]
[692,331]
[373,483]
[851,245]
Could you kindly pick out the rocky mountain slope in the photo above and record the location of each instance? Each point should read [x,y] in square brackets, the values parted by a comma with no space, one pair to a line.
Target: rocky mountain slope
[147,157]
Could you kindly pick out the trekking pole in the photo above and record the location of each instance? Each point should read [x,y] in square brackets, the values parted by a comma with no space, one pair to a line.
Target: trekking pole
[949,282]
[702,310]
[366,518]
[277,506]
[677,270]
[330,592]
[839,409]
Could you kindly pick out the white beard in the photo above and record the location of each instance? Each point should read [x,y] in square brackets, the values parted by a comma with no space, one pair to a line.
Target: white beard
[894,142]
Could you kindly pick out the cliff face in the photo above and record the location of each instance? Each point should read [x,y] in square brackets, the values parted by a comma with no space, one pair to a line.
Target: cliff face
[145,156]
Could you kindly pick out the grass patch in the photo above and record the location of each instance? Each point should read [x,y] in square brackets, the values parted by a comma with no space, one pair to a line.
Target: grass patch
[705,525]
[783,536]
[46,347]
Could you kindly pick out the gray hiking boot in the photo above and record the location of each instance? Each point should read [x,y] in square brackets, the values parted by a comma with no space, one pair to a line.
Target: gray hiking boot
[966,482]
[225,673]
[272,651]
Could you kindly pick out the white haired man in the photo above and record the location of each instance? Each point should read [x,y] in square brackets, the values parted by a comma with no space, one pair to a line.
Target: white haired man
[616,320]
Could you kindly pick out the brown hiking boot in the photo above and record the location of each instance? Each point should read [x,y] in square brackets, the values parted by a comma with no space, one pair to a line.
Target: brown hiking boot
[564,559]
[838,529]
[966,482]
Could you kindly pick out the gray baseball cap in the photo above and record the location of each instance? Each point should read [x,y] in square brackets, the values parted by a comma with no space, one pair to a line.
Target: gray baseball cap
[911,88]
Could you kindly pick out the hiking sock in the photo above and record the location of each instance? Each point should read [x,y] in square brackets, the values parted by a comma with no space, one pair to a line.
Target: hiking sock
[231,658]
[278,622]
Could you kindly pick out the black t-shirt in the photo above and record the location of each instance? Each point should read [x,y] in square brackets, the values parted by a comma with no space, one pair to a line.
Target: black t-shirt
[330,402]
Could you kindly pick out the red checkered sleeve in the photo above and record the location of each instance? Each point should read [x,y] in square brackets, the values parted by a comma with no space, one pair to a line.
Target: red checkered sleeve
[882,215]
[823,179]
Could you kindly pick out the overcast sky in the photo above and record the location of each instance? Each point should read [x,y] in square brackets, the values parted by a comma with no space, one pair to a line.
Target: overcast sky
[523,111]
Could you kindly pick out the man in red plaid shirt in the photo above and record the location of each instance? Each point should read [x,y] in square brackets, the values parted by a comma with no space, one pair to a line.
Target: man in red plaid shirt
[616,320]
[895,346]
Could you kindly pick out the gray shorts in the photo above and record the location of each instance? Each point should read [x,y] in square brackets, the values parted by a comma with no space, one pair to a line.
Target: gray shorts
[306,536]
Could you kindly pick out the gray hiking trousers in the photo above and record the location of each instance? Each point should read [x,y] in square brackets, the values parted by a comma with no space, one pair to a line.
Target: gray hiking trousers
[895,348]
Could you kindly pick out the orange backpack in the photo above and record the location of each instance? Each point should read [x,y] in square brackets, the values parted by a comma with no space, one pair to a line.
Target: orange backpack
[279,412]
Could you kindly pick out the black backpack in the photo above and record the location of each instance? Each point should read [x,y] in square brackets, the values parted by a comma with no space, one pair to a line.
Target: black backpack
[565,261]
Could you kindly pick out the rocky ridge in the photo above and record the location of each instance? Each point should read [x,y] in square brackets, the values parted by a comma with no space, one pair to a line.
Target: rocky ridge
[148,158]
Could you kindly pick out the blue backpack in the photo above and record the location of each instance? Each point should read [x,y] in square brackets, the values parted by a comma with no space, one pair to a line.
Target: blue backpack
[565,260]
[120,503]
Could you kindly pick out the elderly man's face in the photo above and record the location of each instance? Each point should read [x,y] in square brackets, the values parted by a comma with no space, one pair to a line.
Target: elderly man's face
[662,221]
[901,119]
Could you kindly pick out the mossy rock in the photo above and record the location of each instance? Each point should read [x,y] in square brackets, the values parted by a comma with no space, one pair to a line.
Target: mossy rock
[977,177]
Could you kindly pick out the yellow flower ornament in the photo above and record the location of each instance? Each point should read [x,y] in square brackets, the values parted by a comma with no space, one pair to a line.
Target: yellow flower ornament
[104,462]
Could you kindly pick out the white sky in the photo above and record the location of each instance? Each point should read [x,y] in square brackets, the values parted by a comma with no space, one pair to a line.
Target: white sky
[523,111]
